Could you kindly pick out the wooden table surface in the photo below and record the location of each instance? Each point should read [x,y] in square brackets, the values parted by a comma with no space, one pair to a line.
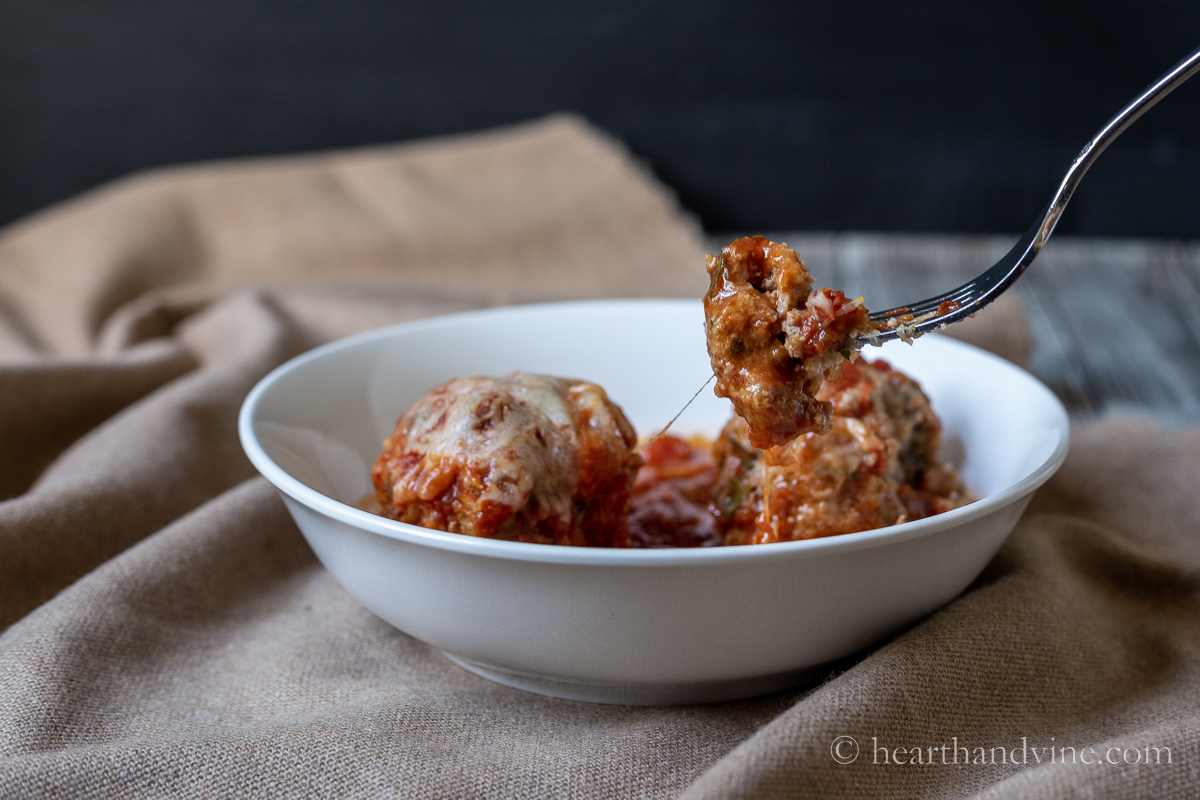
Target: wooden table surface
[1115,322]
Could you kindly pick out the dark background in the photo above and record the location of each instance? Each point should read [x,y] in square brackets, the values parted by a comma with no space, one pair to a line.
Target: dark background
[886,115]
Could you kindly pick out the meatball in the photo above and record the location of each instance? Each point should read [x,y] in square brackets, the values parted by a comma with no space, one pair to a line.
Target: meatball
[526,458]
[876,466]
[772,340]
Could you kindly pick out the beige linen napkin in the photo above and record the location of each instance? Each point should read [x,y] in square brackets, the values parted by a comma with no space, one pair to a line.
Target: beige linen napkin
[167,632]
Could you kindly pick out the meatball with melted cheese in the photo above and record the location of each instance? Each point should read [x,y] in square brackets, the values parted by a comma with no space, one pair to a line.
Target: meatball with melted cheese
[876,466]
[526,458]
[772,340]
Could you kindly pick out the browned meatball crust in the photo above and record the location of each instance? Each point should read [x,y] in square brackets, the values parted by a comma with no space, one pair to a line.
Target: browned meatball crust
[876,466]
[772,340]
[527,458]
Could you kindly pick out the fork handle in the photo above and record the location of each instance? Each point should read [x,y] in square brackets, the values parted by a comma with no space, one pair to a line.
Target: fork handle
[1156,91]
[969,298]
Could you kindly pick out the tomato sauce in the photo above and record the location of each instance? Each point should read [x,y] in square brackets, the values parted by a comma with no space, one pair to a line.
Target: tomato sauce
[671,504]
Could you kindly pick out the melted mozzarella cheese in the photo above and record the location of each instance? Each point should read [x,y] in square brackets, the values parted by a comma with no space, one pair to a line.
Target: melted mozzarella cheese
[517,430]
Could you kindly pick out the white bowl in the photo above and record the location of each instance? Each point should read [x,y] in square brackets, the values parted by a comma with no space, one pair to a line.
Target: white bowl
[633,626]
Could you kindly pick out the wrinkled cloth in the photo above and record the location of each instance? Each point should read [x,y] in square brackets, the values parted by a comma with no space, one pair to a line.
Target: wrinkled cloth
[167,631]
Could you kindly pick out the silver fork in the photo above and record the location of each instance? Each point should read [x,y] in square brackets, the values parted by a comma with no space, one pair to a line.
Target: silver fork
[913,320]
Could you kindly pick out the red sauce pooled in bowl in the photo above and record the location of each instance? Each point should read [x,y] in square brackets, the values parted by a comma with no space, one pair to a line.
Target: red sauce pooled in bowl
[671,494]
